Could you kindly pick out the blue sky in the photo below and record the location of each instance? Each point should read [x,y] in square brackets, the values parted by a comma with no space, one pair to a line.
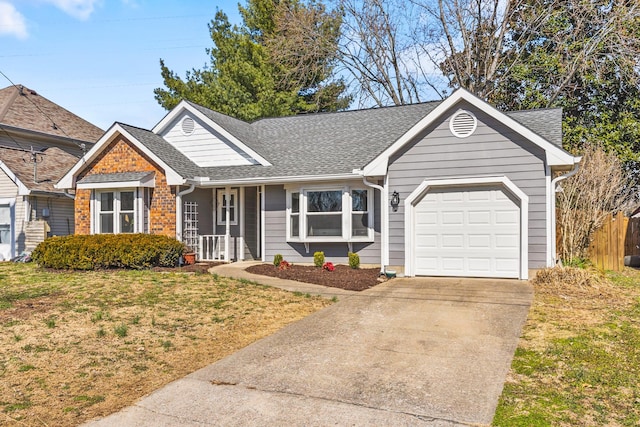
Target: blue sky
[100,58]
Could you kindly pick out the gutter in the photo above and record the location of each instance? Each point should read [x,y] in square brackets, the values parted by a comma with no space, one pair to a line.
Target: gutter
[383,206]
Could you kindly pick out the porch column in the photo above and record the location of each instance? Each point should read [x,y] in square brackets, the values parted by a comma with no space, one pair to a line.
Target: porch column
[240,217]
[227,230]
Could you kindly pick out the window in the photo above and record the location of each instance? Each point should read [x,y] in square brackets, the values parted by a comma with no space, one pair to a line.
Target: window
[116,212]
[222,207]
[5,224]
[329,214]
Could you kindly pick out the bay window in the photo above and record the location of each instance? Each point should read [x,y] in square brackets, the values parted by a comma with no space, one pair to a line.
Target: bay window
[329,214]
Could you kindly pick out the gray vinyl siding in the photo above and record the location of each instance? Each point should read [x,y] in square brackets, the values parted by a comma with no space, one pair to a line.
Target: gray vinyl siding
[276,240]
[204,198]
[251,223]
[493,149]
[61,214]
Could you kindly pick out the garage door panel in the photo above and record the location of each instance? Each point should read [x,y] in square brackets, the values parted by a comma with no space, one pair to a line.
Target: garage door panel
[471,231]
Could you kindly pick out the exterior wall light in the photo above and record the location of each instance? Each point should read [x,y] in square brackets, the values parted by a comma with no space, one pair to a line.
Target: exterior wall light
[395,200]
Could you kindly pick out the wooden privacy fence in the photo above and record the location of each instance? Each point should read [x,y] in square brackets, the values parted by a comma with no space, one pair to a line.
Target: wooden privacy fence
[619,236]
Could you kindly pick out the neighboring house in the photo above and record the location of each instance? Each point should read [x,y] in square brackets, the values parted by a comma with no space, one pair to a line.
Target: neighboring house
[39,142]
[450,188]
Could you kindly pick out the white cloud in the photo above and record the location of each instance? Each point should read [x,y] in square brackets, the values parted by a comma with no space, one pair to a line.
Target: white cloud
[80,9]
[12,22]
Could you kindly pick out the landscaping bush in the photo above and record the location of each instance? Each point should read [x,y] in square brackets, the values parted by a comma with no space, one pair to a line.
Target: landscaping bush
[277,259]
[98,251]
[318,259]
[354,260]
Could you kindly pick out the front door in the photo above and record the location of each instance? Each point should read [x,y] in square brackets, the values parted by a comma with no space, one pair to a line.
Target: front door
[6,232]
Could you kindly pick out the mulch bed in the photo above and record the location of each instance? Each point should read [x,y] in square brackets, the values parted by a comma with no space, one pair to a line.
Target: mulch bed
[343,277]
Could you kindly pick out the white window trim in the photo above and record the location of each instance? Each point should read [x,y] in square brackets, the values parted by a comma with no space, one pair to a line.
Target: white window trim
[346,214]
[138,204]
[221,211]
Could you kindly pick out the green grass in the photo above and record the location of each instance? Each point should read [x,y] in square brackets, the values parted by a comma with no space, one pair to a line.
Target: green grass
[589,377]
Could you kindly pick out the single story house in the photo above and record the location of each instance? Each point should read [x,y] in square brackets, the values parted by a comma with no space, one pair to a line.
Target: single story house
[39,142]
[448,188]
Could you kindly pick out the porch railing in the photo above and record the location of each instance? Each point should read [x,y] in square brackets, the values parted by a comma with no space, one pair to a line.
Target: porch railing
[218,247]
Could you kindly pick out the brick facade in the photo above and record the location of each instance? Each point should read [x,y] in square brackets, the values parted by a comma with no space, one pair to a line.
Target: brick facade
[122,156]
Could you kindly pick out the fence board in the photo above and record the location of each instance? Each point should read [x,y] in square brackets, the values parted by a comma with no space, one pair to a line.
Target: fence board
[618,236]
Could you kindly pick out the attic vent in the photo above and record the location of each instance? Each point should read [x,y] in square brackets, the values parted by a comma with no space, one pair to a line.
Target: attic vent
[463,123]
[188,125]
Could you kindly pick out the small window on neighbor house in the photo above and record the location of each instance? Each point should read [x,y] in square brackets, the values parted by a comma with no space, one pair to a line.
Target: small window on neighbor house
[5,224]
[222,207]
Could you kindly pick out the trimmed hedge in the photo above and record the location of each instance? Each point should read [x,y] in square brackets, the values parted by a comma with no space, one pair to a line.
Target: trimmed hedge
[101,251]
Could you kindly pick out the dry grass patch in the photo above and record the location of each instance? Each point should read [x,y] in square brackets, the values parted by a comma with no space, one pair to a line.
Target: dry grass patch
[74,346]
[578,360]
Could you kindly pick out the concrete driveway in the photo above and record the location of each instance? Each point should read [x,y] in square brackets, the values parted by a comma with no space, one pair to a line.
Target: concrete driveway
[409,352]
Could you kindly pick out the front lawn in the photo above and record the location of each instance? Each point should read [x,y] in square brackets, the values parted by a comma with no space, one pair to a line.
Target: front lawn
[74,346]
[578,361]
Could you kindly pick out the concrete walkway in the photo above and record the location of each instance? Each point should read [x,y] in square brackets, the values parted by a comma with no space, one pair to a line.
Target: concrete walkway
[419,352]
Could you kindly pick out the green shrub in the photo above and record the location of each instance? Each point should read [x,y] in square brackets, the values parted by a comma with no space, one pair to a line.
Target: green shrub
[354,260]
[318,259]
[277,259]
[99,251]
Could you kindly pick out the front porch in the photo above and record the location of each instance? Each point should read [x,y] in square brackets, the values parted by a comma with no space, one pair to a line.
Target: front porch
[221,224]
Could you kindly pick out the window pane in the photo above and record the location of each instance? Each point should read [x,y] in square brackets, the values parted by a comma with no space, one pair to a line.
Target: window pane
[359,200]
[324,201]
[359,225]
[126,222]
[232,214]
[126,201]
[5,235]
[106,223]
[106,202]
[295,202]
[324,225]
[5,214]
[295,226]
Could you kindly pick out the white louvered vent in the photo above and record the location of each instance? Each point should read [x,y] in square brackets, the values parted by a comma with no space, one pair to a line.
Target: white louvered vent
[188,125]
[463,123]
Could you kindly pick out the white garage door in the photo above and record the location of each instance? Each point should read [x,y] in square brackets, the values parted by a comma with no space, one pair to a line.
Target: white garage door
[472,232]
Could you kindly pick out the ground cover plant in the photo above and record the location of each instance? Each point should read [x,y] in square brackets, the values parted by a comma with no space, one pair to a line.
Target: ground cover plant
[76,345]
[578,361]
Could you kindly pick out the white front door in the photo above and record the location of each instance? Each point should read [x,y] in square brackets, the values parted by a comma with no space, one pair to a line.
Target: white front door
[468,232]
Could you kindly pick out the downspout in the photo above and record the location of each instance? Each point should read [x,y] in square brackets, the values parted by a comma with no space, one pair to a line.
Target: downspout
[383,216]
[66,193]
[179,209]
[555,181]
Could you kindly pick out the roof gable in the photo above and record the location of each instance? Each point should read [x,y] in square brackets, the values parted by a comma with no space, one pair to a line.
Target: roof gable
[175,165]
[555,156]
[218,133]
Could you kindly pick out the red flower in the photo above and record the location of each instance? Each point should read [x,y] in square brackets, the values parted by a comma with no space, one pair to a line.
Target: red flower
[284,265]
[328,266]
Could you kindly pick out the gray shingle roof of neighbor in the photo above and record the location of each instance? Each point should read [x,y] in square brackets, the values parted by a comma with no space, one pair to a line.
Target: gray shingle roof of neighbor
[322,143]
[114,177]
[52,164]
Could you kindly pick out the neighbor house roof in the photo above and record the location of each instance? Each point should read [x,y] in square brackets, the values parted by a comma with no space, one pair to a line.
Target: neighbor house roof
[52,163]
[24,108]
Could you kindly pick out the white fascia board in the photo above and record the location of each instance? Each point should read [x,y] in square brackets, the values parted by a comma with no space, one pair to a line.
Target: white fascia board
[149,183]
[184,105]
[556,156]
[68,181]
[275,180]
[22,189]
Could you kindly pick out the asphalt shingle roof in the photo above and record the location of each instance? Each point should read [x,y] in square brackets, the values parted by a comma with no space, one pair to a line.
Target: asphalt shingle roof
[323,143]
[52,164]
[114,177]
[24,108]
